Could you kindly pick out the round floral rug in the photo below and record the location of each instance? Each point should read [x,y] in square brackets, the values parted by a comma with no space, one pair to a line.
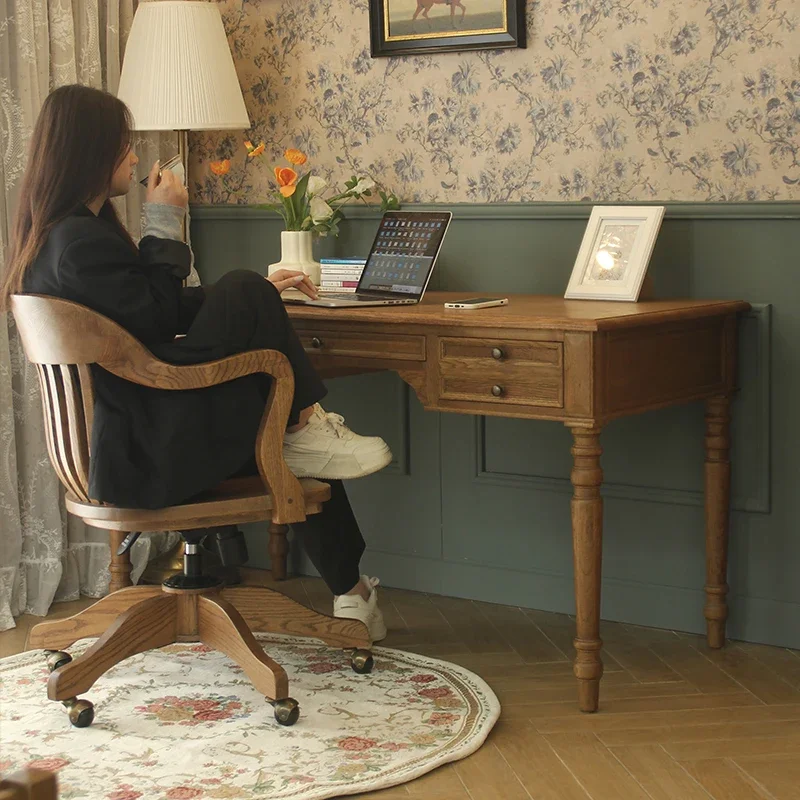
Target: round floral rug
[184,723]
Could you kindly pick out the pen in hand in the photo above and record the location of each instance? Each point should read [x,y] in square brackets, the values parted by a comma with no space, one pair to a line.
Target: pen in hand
[166,165]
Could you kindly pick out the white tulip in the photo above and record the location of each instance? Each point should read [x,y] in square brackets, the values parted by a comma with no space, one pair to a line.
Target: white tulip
[364,185]
[316,185]
[320,210]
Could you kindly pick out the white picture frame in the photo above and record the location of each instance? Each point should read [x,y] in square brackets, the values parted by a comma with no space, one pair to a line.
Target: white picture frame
[614,254]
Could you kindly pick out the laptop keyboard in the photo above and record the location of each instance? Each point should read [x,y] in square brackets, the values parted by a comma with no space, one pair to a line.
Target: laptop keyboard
[360,298]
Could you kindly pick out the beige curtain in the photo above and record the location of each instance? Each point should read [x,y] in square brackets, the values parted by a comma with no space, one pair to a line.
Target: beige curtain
[44,556]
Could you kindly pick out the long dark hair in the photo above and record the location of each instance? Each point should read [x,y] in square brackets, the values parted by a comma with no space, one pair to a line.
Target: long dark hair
[80,137]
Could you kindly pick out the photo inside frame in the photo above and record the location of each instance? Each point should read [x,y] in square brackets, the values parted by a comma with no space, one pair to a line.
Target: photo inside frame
[614,246]
[416,19]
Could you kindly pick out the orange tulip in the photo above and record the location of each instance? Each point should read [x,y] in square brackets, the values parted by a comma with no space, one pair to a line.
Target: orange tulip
[248,144]
[256,151]
[220,167]
[296,157]
[286,178]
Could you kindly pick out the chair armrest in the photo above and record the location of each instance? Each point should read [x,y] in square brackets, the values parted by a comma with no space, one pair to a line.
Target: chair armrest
[143,368]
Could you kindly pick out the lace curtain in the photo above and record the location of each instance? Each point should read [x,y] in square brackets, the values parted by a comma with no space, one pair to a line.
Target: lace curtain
[45,556]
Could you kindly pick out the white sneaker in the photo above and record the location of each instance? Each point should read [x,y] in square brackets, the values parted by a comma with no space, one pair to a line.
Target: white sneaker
[354,606]
[327,449]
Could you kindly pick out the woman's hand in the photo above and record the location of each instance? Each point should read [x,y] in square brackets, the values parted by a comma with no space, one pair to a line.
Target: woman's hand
[169,189]
[293,279]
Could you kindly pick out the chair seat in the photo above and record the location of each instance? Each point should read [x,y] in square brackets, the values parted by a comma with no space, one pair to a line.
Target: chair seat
[233,502]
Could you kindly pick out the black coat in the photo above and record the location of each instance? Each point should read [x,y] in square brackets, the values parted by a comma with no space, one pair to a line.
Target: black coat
[150,448]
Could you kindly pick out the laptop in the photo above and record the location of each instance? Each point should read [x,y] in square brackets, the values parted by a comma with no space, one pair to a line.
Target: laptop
[399,264]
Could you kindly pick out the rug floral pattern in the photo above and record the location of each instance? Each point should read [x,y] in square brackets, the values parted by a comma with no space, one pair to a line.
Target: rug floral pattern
[184,723]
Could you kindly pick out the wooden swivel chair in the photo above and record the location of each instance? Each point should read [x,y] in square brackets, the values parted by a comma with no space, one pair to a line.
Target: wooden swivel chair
[63,339]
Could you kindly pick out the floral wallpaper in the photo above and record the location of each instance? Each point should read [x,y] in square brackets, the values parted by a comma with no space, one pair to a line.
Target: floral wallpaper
[613,100]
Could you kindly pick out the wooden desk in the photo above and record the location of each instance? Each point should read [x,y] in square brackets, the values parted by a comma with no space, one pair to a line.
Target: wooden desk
[579,362]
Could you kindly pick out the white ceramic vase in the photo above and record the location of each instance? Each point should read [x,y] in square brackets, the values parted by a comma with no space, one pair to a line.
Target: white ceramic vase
[296,253]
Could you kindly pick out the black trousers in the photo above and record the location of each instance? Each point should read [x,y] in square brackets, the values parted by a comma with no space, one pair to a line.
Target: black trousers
[242,312]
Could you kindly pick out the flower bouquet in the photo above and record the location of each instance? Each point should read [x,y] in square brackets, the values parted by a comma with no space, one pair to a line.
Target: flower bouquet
[300,201]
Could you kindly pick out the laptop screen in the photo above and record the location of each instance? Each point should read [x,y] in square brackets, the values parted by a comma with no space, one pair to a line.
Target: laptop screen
[404,251]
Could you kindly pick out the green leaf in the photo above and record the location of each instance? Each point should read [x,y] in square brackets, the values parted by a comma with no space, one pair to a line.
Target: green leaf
[290,215]
[299,197]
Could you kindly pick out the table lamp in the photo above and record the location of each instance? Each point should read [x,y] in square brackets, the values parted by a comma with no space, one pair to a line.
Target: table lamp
[178,73]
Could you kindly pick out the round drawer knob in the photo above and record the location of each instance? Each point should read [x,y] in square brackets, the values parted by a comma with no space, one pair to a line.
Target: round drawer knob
[316,343]
[497,353]
[498,391]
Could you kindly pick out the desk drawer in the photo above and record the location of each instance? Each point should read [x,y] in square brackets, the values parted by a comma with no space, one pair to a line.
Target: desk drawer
[496,371]
[362,345]
[474,353]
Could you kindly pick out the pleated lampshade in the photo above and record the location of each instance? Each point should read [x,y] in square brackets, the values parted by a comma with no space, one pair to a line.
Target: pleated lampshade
[178,72]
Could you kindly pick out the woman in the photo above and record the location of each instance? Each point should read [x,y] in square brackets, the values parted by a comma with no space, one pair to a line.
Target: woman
[153,448]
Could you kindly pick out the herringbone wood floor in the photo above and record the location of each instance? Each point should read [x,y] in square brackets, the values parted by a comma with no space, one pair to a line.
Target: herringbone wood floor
[677,721]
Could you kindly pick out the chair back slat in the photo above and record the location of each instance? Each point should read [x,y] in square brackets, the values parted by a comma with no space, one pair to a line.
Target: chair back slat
[49,427]
[87,397]
[50,423]
[61,445]
[78,432]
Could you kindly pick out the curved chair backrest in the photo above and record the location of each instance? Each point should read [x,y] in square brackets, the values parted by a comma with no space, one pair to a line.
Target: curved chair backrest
[62,339]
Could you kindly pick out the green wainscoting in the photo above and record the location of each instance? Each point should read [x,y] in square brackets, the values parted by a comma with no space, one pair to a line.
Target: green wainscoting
[479,508]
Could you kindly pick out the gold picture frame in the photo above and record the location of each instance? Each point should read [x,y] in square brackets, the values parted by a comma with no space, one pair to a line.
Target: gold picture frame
[407,27]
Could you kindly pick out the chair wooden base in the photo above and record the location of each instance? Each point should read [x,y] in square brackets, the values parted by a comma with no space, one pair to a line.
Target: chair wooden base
[142,618]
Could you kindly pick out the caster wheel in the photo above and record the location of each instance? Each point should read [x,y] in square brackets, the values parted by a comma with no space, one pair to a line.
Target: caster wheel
[57,658]
[81,712]
[287,711]
[362,662]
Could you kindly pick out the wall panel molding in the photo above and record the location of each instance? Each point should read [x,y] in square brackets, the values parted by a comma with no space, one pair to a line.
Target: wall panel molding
[400,464]
[524,211]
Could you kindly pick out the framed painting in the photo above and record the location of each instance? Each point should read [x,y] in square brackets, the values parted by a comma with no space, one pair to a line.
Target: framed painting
[407,27]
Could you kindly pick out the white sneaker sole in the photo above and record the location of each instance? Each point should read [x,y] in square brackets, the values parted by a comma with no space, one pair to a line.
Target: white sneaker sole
[377,633]
[341,468]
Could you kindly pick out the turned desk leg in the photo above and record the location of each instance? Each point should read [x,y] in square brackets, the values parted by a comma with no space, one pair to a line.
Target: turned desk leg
[120,566]
[587,543]
[718,497]
[278,549]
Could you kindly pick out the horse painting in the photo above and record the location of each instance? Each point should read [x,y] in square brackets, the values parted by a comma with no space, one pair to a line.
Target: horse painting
[403,27]
[426,5]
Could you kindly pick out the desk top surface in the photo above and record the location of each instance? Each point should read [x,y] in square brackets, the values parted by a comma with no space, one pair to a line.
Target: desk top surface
[525,312]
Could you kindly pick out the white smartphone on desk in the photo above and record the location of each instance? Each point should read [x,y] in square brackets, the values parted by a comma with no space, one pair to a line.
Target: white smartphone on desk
[478,302]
